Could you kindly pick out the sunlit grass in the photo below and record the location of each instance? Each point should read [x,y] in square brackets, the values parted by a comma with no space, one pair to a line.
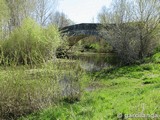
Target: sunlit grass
[127,90]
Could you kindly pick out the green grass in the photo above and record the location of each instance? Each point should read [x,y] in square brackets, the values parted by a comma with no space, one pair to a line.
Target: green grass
[127,90]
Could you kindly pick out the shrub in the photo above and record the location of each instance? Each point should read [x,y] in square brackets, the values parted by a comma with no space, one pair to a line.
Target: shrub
[24,91]
[30,44]
[156,58]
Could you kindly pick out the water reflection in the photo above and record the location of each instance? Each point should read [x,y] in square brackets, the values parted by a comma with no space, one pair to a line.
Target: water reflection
[95,61]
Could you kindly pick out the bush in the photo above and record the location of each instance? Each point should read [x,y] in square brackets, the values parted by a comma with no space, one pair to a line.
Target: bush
[24,91]
[30,44]
[156,58]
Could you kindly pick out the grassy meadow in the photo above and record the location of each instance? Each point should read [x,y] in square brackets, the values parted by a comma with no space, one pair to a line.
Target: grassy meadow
[104,95]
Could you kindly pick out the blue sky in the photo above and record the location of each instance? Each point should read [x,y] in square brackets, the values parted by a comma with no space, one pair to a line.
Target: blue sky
[82,11]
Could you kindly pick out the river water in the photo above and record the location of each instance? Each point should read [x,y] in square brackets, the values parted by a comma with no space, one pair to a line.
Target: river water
[90,62]
[95,61]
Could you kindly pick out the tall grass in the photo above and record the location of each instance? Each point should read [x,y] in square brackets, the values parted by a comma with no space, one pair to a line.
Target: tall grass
[24,90]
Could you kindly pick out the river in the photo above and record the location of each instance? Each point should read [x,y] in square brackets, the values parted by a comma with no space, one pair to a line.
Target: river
[95,61]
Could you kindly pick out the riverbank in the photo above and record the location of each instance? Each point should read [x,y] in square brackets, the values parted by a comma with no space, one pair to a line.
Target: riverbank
[129,90]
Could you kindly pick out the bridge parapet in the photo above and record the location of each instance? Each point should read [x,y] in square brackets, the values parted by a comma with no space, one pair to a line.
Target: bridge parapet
[85,29]
[82,26]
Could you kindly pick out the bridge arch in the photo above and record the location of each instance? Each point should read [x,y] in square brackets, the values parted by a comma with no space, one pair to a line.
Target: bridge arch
[80,31]
[77,32]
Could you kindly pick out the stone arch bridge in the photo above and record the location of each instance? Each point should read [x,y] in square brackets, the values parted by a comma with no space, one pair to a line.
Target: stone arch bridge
[79,31]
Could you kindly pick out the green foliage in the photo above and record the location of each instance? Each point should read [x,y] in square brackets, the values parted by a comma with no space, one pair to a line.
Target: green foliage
[24,90]
[106,104]
[148,67]
[92,44]
[156,58]
[151,80]
[125,90]
[95,46]
[30,44]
